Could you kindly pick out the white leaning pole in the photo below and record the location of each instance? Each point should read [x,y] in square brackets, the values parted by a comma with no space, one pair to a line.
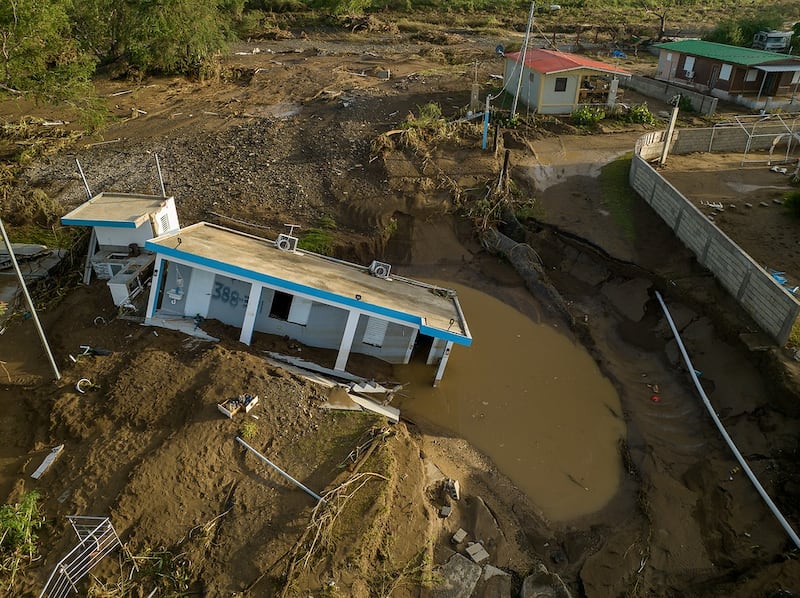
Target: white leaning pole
[522,60]
[29,302]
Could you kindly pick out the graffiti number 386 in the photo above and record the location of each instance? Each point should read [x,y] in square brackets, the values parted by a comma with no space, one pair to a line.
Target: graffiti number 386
[226,294]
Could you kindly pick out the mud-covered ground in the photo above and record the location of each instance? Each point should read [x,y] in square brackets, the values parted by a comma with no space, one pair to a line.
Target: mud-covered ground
[286,134]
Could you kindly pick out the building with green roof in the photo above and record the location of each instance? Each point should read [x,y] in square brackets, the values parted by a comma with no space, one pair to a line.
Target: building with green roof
[755,78]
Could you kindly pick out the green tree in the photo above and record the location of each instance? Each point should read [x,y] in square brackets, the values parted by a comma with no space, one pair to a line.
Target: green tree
[172,36]
[343,7]
[95,26]
[740,32]
[38,57]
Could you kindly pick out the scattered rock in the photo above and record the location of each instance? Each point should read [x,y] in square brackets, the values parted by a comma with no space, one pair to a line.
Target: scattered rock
[459,536]
[763,204]
[445,511]
[544,584]
[748,205]
[459,576]
[495,583]
[477,552]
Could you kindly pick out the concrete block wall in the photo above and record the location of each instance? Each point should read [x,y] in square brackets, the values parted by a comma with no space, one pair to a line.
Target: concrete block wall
[664,91]
[727,138]
[767,302]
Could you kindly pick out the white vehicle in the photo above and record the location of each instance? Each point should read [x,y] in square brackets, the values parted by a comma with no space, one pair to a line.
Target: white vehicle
[773,41]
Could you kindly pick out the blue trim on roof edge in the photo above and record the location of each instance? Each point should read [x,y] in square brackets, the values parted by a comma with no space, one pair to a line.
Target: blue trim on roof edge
[108,223]
[286,284]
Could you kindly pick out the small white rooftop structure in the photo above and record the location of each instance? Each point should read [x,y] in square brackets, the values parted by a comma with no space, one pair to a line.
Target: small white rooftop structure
[121,225]
[118,210]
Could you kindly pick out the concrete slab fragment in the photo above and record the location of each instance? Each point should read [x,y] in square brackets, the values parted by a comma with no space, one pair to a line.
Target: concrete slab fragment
[477,552]
[544,584]
[459,536]
[459,577]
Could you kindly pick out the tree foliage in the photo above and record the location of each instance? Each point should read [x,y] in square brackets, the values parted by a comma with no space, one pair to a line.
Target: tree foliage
[740,32]
[37,54]
[170,36]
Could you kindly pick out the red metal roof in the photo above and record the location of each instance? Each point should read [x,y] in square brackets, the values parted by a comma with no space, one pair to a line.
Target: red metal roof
[549,61]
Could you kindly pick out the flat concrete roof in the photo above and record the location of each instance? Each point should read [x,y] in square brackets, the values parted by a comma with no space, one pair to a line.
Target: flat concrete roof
[117,210]
[436,310]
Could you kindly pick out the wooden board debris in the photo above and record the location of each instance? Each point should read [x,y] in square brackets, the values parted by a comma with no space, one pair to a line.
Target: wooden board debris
[48,461]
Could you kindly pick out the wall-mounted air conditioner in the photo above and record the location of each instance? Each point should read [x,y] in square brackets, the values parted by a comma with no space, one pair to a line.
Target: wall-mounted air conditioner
[689,74]
[380,269]
[286,243]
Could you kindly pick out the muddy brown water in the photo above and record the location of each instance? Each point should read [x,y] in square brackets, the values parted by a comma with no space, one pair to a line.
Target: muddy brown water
[532,400]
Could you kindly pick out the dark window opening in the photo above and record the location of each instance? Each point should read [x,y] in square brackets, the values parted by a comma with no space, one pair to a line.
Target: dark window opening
[281,304]
[561,84]
[422,347]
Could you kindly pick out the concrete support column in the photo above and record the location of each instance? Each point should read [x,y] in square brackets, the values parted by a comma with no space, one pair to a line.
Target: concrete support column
[250,314]
[411,342]
[347,341]
[443,363]
[155,287]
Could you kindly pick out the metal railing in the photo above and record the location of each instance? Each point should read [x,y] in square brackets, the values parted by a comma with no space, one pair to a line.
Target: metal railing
[96,538]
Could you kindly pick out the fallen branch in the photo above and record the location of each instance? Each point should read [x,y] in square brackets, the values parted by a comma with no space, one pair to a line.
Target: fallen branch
[323,519]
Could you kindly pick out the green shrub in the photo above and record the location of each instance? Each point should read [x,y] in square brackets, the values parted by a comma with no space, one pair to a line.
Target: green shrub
[640,114]
[320,238]
[248,430]
[792,202]
[18,523]
[587,115]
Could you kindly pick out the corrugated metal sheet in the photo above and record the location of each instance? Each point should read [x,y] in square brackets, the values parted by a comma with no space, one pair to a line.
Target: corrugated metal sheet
[724,53]
[548,62]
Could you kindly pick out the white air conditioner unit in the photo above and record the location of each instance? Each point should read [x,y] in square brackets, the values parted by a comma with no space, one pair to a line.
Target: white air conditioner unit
[380,269]
[286,243]
[689,74]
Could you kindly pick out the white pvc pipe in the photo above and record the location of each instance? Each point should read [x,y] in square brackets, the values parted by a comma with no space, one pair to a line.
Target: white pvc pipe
[29,301]
[279,470]
[745,467]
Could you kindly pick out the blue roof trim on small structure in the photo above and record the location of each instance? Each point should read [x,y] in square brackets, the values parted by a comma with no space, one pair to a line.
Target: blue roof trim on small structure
[107,223]
[311,291]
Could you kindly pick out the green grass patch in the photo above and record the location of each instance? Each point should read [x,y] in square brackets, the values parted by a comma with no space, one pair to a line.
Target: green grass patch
[794,335]
[618,195]
[319,239]
[792,203]
[55,236]
[18,540]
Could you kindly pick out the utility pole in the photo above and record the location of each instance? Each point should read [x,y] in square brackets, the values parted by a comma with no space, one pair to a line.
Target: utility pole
[29,301]
[522,60]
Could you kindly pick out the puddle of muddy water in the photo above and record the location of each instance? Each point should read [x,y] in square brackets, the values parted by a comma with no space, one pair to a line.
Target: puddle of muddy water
[530,399]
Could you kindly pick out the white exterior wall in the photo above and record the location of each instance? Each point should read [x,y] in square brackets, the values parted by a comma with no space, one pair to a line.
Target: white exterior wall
[529,90]
[218,296]
[559,102]
[510,77]
[198,292]
[396,343]
[172,218]
[122,237]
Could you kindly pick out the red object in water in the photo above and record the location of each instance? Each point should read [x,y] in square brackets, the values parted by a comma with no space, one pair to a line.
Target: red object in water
[655,399]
